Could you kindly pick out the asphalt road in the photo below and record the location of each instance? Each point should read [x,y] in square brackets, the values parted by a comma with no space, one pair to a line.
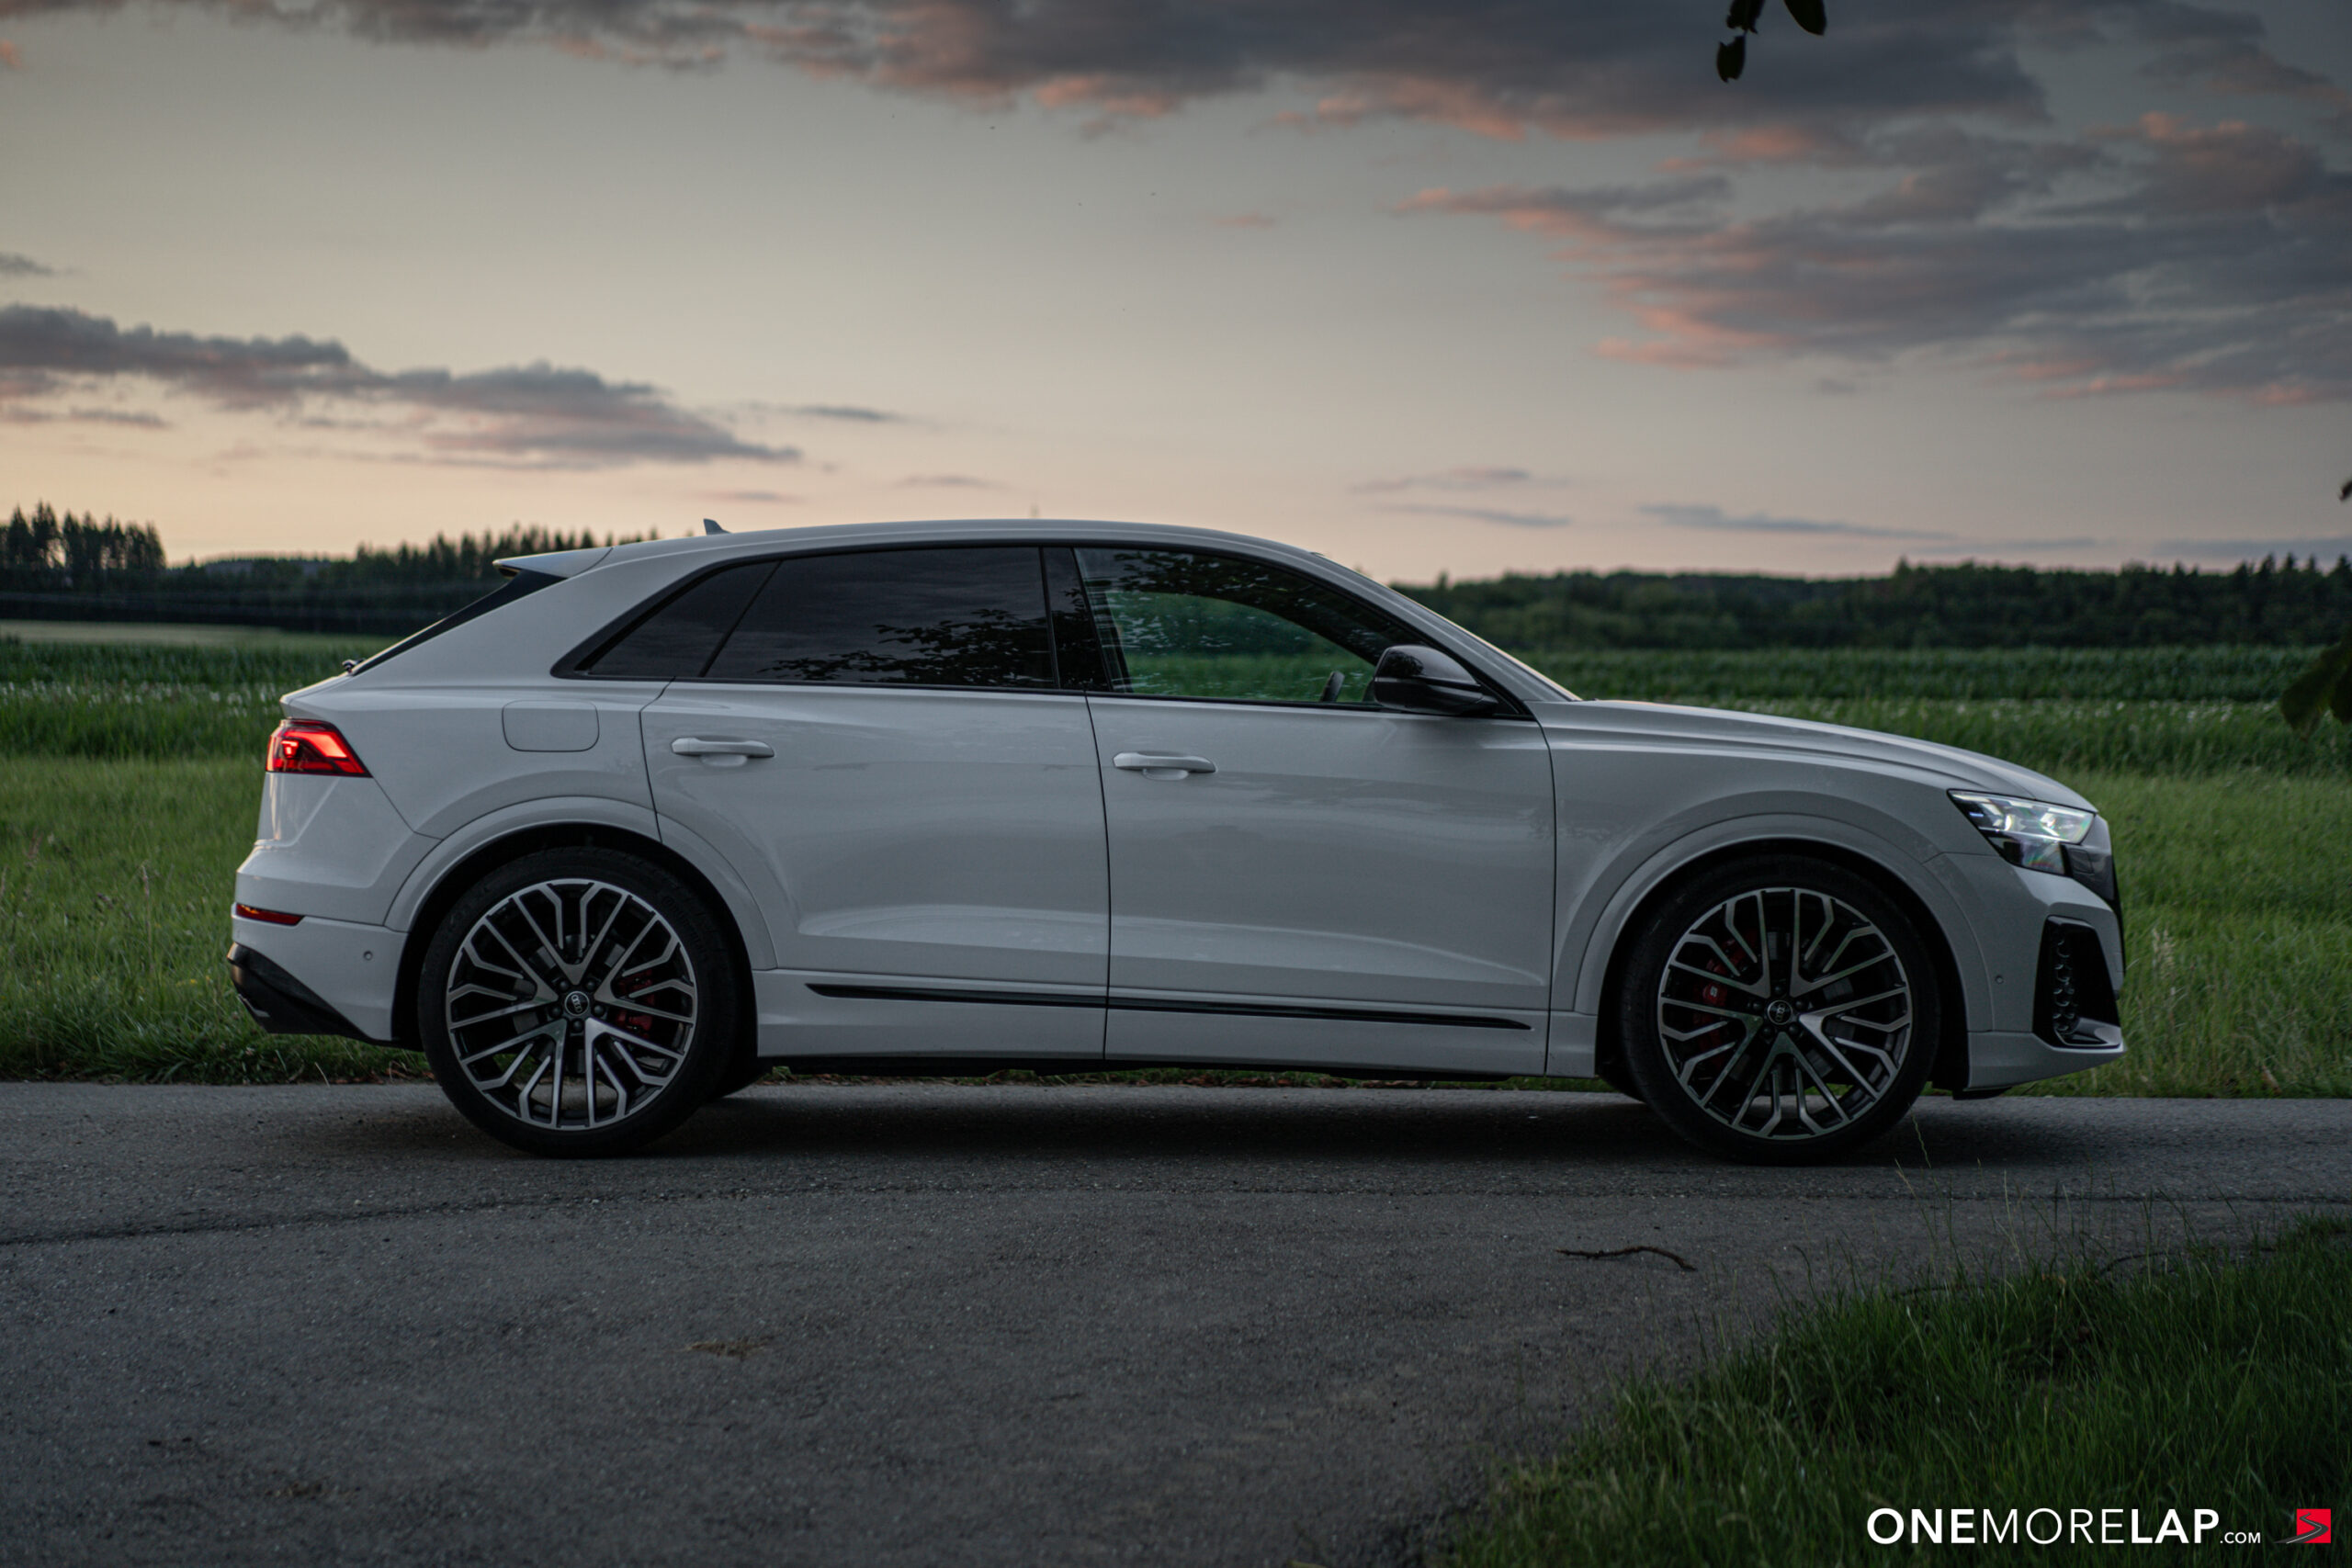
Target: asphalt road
[921,1325]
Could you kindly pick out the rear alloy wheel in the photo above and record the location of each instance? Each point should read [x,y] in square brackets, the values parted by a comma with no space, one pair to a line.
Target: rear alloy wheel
[578,1003]
[1781,1009]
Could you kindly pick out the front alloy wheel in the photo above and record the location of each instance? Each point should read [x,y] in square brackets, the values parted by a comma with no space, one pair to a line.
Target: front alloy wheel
[579,1001]
[1787,1009]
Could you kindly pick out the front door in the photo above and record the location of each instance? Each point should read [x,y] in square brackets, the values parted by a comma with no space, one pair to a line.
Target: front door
[1298,876]
[880,747]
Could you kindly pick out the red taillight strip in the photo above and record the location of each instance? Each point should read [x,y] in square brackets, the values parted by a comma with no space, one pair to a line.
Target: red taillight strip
[306,746]
[272,917]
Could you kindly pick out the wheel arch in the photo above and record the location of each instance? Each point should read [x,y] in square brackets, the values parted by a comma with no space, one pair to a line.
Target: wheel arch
[438,885]
[1643,896]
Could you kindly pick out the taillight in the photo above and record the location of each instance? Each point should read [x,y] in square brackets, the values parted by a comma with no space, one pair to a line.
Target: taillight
[269,916]
[306,746]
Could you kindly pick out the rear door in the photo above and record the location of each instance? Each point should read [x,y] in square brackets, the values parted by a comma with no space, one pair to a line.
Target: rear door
[879,744]
[1297,875]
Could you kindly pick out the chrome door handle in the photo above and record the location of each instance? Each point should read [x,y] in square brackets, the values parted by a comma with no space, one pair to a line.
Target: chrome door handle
[689,745]
[1153,767]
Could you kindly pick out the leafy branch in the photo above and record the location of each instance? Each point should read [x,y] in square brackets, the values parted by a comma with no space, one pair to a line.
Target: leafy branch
[1731,58]
[2326,686]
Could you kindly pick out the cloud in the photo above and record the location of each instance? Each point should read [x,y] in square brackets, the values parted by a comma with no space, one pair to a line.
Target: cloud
[1486,515]
[847,412]
[536,416]
[1244,221]
[11,413]
[756,497]
[2221,52]
[15,265]
[1468,477]
[1714,518]
[2159,254]
[2327,547]
[949,481]
[1496,67]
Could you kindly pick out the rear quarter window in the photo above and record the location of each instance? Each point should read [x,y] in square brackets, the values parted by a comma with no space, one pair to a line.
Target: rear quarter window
[677,639]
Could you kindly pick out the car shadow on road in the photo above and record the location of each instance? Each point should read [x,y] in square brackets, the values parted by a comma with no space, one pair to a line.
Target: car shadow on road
[1290,1127]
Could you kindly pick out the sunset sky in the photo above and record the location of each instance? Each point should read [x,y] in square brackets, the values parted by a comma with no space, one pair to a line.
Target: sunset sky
[1426,285]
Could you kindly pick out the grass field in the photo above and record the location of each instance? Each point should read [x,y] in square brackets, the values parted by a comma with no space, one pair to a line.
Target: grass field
[132,776]
[2195,1382]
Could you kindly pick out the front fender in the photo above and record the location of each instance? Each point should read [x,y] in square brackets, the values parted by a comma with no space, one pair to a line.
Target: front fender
[1596,920]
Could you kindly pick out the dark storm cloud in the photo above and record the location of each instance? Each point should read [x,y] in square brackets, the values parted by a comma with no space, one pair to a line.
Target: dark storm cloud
[1503,67]
[2160,254]
[540,413]
[15,265]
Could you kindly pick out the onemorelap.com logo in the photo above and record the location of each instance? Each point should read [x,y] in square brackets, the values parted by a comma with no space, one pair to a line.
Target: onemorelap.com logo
[2078,1527]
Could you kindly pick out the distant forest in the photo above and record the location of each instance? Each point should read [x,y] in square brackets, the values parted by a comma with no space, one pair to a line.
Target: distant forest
[60,567]
[54,566]
[2278,603]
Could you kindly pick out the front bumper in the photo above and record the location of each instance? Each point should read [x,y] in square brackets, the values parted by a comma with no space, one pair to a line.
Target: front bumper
[2003,1060]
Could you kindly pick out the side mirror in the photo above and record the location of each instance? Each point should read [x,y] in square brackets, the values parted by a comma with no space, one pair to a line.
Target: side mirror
[1413,679]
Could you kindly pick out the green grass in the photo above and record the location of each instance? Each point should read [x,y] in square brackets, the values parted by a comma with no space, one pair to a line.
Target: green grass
[2060,711]
[2229,827]
[115,884]
[2238,909]
[1939,674]
[2200,1380]
[2240,923]
[156,698]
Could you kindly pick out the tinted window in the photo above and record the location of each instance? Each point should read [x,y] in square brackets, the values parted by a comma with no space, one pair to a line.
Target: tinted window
[1179,625]
[677,639]
[964,616]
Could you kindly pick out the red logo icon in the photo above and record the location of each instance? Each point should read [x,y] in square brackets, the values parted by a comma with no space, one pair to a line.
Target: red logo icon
[2314,1527]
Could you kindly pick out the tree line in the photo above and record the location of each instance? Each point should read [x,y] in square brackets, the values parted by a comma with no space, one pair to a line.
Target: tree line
[77,547]
[2279,603]
[57,566]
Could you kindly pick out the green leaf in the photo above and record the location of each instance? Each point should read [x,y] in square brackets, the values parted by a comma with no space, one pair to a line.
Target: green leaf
[1732,58]
[2325,687]
[1810,15]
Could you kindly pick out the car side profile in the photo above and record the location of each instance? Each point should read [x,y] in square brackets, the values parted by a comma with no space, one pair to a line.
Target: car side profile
[954,797]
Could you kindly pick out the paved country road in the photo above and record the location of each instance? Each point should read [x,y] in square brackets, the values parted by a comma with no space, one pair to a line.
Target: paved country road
[916,1324]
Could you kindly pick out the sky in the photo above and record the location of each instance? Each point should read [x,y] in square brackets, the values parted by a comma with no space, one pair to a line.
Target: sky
[1430,286]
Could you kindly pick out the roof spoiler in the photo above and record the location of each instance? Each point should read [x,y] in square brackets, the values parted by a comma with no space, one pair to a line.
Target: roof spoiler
[555,563]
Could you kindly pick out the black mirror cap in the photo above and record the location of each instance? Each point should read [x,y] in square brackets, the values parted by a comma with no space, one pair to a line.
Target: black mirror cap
[1410,678]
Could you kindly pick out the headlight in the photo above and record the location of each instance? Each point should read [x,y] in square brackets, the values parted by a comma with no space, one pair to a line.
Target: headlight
[2029,833]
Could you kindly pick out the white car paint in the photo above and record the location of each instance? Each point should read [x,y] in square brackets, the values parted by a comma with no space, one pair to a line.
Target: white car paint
[1474,874]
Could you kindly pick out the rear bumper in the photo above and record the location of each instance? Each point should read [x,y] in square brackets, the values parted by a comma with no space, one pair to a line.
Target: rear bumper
[280,1003]
[320,977]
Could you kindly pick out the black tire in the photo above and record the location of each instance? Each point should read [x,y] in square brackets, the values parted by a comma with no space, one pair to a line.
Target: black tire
[1615,1076]
[633,991]
[742,1073]
[1719,1038]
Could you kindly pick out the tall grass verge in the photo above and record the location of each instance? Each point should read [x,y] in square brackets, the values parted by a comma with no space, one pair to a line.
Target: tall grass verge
[2203,1380]
[115,884]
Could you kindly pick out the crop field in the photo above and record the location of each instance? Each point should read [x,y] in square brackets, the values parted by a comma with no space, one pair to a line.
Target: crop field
[129,773]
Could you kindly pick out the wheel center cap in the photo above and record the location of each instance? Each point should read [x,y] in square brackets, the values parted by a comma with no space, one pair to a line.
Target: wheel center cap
[575,1004]
[1779,1011]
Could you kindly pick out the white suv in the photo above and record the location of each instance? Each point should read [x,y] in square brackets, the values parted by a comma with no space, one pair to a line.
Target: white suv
[954,797]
